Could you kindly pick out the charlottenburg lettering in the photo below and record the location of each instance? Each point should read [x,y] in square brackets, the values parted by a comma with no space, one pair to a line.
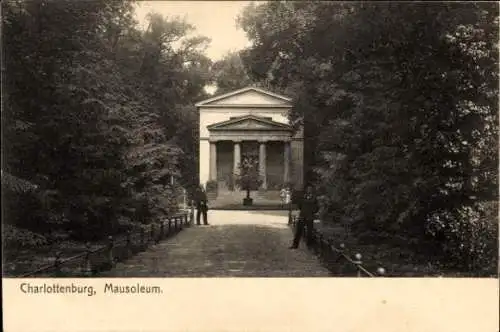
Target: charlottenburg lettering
[55,288]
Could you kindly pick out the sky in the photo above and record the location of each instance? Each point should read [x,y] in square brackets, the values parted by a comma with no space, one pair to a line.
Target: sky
[213,19]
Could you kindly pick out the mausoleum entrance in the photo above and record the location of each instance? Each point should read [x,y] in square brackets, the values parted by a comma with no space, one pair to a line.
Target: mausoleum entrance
[268,156]
[259,138]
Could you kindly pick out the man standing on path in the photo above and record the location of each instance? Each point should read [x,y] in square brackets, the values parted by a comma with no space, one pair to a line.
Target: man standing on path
[308,206]
[201,206]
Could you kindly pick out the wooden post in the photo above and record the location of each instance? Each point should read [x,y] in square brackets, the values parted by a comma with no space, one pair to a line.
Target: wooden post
[162,229]
[319,244]
[175,224]
[347,229]
[340,270]
[57,264]
[358,263]
[129,244]
[169,225]
[111,259]
[290,212]
[181,222]
[87,267]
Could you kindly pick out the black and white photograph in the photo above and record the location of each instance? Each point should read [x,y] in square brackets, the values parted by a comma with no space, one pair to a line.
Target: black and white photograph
[201,139]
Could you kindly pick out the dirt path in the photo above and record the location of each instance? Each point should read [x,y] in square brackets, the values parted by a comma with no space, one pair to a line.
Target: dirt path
[235,244]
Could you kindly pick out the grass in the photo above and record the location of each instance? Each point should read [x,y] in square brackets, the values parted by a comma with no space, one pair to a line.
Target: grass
[17,262]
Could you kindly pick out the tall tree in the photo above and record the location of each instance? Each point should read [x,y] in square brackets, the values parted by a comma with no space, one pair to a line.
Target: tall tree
[229,73]
[98,111]
[399,103]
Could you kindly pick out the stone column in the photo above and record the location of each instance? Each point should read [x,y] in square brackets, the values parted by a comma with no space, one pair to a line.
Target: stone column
[236,157]
[262,164]
[286,161]
[213,161]
[236,162]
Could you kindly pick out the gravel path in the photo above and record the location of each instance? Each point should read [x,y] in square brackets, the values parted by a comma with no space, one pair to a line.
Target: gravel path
[235,244]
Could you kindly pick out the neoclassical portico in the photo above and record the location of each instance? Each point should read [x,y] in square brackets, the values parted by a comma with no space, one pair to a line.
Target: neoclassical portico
[246,123]
[249,131]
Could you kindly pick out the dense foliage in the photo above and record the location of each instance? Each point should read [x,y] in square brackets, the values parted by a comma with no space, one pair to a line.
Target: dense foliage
[99,113]
[230,74]
[399,103]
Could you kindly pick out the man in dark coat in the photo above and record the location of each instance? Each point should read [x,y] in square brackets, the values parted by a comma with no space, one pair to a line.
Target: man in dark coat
[201,206]
[308,206]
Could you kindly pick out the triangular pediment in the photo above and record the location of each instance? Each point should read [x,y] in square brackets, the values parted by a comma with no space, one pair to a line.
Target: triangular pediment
[247,96]
[249,122]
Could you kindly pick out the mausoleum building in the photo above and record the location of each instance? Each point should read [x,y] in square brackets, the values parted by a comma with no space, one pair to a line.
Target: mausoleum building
[249,122]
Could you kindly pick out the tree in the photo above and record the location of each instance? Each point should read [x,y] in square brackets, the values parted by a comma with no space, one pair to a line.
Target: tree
[230,73]
[248,178]
[399,103]
[66,107]
[104,123]
[173,80]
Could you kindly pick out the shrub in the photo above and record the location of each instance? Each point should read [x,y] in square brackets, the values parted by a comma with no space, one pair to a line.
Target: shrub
[17,238]
[468,237]
[248,178]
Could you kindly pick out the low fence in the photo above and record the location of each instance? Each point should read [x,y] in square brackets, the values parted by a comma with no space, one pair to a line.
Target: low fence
[94,260]
[336,259]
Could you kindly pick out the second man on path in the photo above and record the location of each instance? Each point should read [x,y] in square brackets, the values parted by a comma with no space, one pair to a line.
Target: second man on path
[308,206]
[201,206]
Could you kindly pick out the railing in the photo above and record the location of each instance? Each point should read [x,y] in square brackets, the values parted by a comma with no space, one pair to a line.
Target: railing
[104,257]
[332,257]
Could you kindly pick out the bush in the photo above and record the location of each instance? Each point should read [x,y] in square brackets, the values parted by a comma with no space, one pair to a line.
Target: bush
[468,238]
[17,238]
